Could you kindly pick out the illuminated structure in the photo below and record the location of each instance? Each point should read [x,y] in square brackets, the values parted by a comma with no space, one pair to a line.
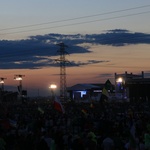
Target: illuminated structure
[132,87]
[2,82]
[19,78]
[52,88]
[83,92]
[128,87]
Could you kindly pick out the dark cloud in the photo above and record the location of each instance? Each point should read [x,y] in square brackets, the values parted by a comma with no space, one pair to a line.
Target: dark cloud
[88,62]
[37,51]
[120,37]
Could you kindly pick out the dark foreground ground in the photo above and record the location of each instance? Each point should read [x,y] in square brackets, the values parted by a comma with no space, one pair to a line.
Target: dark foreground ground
[91,126]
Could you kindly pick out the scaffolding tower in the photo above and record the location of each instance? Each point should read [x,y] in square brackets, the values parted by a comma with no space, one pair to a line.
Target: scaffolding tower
[62,60]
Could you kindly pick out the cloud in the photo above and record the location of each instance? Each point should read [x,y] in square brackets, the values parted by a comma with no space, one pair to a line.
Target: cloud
[37,51]
[88,62]
[119,37]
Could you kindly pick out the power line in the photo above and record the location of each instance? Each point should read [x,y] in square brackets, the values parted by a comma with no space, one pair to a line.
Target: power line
[82,17]
[133,14]
[11,55]
[79,23]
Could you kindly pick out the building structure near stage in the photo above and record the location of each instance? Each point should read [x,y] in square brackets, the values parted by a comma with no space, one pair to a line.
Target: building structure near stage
[128,87]
[86,92]
[134,87]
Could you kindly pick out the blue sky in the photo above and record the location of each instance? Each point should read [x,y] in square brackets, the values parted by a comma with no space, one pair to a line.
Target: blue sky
[18,13]
[104,37]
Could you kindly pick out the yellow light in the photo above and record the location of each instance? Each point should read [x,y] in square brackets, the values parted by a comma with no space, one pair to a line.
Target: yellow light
[1,81]
[119,80]
[53,86]
[18,78]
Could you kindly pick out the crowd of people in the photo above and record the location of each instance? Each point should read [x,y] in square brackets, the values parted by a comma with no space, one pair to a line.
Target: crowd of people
[83,126]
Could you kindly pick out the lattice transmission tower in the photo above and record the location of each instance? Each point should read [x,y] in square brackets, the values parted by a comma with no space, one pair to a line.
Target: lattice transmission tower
[62,60]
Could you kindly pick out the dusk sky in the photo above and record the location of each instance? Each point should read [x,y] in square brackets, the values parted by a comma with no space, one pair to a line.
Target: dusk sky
[103,38]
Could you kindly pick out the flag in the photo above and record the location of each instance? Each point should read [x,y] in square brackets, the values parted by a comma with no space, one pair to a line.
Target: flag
[84,112]
[108,85]
[58,106]
[13,123]
[91,105]
[104,96]
[8,124]
[105,92]
[40,110]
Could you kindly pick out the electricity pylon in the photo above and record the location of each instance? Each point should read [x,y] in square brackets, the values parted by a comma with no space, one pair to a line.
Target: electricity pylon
[62,60]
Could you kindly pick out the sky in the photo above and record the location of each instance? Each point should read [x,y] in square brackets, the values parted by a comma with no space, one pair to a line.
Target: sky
[103,38]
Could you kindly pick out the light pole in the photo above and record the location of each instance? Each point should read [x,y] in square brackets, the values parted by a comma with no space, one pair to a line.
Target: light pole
[19,78]
[2,82]
[121,87]
[53,88]
[2,88]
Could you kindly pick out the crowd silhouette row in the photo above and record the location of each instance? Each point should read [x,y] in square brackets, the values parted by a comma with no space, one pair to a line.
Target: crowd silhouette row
[107,126]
